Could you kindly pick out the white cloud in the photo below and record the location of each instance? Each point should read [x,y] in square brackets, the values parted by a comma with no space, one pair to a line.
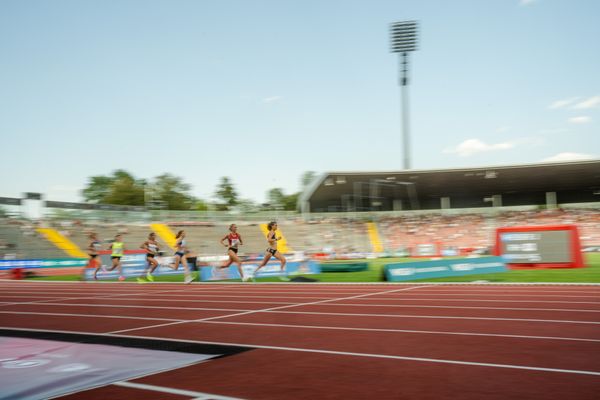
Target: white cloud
[592,102]
[474,146]
[526,2]
[568,157]
[272,99]
[580,120]
[562,103]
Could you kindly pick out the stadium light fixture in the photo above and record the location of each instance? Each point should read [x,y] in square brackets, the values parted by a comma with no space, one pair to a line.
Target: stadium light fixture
[403,40]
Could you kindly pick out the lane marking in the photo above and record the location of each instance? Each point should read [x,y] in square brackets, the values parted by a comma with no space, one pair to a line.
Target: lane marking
[403,331]
[332,305]
[304,326]
[71,298]
[276,308]
[190,393]
[554,321]
[89,315]
[466,307]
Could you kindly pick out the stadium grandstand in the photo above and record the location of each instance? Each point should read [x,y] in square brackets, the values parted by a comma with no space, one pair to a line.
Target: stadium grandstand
[500,186]
[457,210]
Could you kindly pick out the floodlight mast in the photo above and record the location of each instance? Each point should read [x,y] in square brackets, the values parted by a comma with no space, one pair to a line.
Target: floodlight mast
[403,39]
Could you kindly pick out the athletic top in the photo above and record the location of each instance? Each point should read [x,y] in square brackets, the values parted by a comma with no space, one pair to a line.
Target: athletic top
[180,244]
[117,249]
[151,248]
[95,246]
[234,240]
[272,235]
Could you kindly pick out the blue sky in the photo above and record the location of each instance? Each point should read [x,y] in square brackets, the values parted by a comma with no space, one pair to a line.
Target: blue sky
[262,91]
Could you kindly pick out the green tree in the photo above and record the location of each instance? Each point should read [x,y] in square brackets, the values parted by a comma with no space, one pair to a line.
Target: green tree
[275,198]
[226,194]
[98,188]
[290,202]
[247,206]
[172,191]
[119,188]
[201,205]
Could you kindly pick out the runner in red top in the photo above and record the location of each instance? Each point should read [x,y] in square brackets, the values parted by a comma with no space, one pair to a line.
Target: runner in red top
[234,240]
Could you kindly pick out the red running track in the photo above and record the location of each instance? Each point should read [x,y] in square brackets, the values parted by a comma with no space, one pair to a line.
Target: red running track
[317,341]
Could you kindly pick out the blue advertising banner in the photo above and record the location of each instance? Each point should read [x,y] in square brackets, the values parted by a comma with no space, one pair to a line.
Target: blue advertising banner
[409,271]
[271,269]
[46,263]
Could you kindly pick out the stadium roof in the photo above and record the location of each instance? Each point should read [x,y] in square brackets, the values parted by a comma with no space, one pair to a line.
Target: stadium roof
[465,187]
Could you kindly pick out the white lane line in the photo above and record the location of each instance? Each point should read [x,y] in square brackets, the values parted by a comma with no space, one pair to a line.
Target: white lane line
[275,308]
[110,296]
[218,296]
[193,292]
[343,328]
[496,301]
[333,352]
[278,311]
[145,307]
[332,305]
[200,296]
[166,298]
[90,315]
[553,321]
[227,290]
[147,299]
[190,393]
[465,307]
[489,295]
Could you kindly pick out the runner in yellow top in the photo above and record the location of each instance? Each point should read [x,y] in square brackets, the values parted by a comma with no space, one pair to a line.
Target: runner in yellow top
[118,250]
[272,251]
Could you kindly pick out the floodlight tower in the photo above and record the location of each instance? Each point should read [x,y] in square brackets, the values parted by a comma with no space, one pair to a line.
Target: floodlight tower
[403,39]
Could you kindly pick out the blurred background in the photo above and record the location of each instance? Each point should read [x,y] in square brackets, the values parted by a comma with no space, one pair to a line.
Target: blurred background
[143,115]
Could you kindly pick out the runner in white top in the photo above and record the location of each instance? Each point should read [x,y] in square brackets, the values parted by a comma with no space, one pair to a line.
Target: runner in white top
[152,249]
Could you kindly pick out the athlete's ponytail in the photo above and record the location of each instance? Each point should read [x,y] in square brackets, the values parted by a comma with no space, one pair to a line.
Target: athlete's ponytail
[178,234]
[270,225]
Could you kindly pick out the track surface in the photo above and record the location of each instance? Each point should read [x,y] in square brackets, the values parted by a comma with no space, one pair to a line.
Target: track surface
[317,341]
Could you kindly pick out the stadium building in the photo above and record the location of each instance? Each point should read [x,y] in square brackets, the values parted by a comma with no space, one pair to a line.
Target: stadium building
[549,184]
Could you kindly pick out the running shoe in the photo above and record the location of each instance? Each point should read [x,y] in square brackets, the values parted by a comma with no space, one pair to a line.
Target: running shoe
[121,278]
[141,280]
[189,279]
[284,278]
[149,277]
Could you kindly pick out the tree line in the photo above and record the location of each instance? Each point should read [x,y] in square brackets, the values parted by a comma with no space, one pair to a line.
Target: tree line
[170,192]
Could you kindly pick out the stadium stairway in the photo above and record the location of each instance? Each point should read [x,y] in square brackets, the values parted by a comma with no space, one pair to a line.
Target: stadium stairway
[166,234]
[374,237]
[61,242]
